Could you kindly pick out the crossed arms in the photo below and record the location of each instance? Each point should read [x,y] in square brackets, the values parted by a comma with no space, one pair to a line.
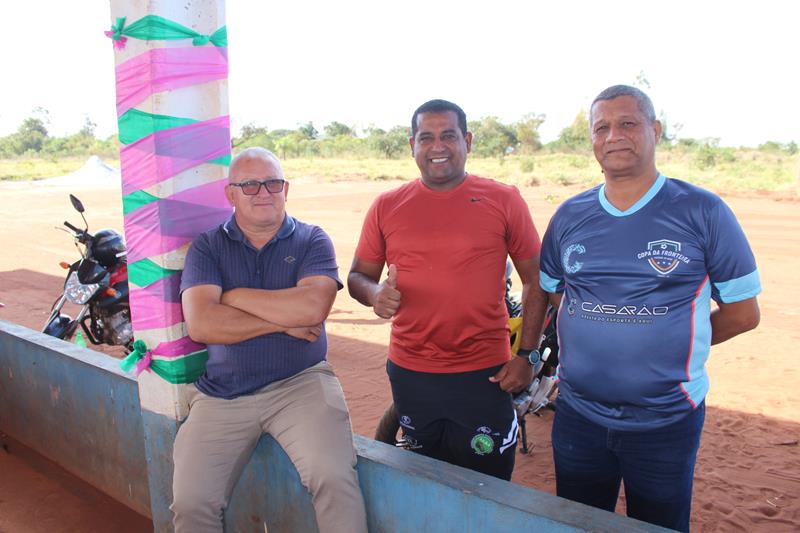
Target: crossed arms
[216,317]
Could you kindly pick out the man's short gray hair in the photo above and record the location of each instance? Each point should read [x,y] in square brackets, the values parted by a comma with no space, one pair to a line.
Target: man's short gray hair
[255,152]
[615,91]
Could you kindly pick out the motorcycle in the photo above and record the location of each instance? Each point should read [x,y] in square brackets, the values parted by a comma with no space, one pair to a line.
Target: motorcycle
[530,400]
[542,391]
[98,282]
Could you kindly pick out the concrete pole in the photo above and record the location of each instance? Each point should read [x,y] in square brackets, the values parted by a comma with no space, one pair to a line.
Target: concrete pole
[163,404]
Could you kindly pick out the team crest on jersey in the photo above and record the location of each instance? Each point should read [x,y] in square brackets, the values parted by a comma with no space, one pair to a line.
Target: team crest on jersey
[663,255]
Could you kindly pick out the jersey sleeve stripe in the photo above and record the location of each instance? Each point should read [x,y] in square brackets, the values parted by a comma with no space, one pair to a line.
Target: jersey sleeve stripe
[696,385]
[547,283]
[739,289]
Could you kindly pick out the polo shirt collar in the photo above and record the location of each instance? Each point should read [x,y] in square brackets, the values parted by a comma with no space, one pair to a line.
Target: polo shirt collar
[233,231]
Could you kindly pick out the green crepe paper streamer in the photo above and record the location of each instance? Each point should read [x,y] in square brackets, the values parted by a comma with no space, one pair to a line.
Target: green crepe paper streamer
[144,272]
[186,369]
[220,37]
[117,28]
[155,28]
[135,124]
[139,349]
[225,160]
[135,200]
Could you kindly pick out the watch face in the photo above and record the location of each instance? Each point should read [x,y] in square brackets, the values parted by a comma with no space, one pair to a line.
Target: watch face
[532,356]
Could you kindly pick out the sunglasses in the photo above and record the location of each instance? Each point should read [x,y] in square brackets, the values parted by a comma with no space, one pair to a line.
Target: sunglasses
[253,187]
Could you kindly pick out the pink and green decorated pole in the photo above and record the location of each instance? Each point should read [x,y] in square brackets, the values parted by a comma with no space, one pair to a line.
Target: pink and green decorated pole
[171,61]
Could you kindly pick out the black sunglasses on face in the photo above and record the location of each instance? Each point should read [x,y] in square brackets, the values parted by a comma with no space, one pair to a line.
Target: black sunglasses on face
[253,187]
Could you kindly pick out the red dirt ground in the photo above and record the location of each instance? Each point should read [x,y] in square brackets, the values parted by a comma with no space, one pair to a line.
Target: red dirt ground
[748,471]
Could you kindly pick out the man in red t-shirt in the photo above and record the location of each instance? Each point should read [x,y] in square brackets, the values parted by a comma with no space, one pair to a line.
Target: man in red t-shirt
[445,238]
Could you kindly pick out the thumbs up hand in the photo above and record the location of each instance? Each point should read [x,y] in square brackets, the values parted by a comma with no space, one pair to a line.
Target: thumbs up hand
[391,277]
[386,300]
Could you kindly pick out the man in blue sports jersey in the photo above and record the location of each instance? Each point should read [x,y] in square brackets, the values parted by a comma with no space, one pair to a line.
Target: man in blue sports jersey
[634,264]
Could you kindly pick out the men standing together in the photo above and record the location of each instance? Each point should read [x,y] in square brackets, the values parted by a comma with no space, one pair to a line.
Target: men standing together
[632,265]
[445,238]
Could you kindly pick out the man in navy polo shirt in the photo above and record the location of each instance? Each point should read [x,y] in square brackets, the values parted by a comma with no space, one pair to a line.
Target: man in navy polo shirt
[635,264]
[257,290]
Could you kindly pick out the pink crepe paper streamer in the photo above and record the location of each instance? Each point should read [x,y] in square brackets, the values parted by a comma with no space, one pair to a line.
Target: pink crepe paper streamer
[177,348]
[164,69]
[168,224]
[153,314]
[119,44]
[164,154]
[156,306]
[144,363]
[148,300]
[168,349]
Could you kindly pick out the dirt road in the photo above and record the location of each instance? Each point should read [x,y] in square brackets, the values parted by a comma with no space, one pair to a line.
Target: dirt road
[748,472]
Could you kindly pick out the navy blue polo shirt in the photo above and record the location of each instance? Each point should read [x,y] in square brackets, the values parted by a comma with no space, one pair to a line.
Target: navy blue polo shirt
[223,257]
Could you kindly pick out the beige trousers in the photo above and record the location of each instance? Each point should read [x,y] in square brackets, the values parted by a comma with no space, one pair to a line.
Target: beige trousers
[307,416]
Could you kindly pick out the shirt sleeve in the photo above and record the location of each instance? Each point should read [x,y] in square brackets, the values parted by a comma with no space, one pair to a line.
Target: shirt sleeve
[320,258]
[523,239]
[371,244]
[729,259]
[551,272]
[201,266]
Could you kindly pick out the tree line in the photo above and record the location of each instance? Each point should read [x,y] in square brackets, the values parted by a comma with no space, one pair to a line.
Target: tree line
[32,139]
[492,138]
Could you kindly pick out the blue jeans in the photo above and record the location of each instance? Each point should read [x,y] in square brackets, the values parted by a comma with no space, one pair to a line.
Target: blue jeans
[657,466]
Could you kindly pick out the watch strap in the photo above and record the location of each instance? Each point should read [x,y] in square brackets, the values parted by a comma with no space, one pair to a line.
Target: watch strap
[530,355]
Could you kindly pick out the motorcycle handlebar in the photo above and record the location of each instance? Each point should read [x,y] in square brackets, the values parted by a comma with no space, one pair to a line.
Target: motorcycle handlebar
[73,228]
[80,233]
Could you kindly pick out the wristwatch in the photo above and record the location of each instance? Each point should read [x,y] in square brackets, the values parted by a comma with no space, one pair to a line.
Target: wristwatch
[532,356]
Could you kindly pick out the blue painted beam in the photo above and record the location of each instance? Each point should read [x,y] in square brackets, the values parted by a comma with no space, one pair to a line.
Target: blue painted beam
[406,492]
[75,407]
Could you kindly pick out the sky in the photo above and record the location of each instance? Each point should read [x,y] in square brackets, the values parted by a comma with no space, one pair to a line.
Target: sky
[725,70]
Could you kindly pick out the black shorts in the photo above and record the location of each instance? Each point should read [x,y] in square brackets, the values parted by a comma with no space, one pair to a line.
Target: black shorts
[462,418]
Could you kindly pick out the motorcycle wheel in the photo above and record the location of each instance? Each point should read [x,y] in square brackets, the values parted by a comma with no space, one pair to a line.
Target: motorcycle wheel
[388,426]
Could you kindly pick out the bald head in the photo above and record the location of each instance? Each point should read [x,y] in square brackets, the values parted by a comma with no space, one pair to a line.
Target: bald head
[249,155]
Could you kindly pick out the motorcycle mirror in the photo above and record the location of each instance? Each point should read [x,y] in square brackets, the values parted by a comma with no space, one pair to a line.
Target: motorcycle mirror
[76,204]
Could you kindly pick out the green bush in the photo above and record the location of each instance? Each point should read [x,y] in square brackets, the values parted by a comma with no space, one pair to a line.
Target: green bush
[526,164]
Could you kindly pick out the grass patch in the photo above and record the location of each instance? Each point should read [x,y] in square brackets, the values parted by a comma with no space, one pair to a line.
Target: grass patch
[34,169]
[724,170]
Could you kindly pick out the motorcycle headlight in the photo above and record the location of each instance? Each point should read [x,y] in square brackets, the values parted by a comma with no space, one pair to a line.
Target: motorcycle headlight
[78,293]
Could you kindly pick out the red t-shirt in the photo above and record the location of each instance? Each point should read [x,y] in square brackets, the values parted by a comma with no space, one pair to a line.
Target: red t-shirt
[450,250]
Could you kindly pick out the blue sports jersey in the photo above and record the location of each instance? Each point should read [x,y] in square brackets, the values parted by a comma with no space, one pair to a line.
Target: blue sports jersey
[634,324]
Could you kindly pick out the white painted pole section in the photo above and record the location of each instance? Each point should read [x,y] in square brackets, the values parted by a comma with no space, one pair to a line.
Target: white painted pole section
[199,102]
[164,404]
